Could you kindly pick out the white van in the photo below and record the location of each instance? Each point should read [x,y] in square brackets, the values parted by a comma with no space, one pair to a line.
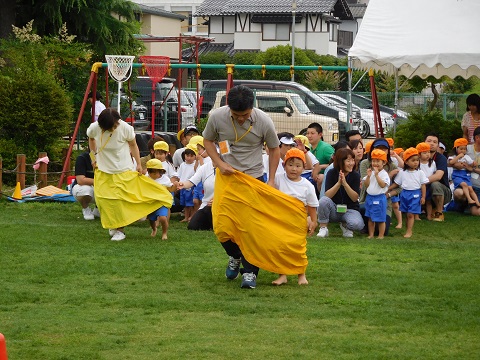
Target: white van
[289,113]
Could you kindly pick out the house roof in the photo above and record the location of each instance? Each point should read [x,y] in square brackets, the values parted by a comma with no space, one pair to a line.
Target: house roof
[207,48]
[339,8]
[358,10]
[159,12]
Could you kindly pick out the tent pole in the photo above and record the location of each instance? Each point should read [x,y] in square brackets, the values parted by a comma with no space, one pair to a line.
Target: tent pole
[396,104]
[349,95]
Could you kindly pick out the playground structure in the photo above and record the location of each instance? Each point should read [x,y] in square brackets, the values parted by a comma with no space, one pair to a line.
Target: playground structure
[92,85]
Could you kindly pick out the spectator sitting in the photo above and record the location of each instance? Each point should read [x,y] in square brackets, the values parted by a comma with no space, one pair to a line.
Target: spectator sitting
[184,137]
[151,155]
[82,188]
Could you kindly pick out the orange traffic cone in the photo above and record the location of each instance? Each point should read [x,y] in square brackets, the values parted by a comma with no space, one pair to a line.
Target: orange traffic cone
[3,348]
[17,194]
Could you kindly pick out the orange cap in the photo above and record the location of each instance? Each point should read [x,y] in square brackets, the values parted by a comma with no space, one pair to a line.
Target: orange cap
[379,154]
[390,141]
[294,153]
[368,145]
[409,153]
[423,147]
[460,142]
[398,151]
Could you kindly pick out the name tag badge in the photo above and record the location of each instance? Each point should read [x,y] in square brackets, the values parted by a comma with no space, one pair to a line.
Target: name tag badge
[416,196]
[224,147]
[341,208]
[474,175]
[376,202]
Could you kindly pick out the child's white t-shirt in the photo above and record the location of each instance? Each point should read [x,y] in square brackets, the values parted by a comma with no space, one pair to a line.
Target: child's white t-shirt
[373,187]
[411,179]
[314,160]
[303,190]
[186,171]
[428,170]
[205,174]
[169,169]
[465,159]
[163,180]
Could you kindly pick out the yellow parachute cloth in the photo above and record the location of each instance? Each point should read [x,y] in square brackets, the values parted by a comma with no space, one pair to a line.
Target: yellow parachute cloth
[269,226]
[127,197]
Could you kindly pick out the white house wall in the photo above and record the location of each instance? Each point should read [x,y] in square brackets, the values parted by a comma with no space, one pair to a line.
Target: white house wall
[161,26]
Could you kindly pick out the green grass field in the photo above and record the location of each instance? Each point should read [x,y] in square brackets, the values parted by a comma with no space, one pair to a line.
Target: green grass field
[68,292]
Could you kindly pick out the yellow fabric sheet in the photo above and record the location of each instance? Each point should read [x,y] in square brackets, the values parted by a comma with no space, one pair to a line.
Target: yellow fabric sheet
[269,226]
[127,197]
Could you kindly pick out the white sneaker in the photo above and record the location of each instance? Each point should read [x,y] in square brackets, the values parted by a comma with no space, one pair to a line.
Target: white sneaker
[323,232]
[118,236]
[96,212]
[346,232]
[88,214]
[112,232]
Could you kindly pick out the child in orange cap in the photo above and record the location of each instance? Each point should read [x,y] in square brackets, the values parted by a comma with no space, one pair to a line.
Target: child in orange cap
[462,177]
[429,168]
[292,183]
[376,182]
[412,181]
[396,159]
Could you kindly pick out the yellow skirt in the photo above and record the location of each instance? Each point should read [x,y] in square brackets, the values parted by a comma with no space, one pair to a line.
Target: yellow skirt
[269,226]
[127,197]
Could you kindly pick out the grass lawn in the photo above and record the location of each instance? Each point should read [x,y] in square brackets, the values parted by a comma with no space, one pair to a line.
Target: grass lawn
[67,292]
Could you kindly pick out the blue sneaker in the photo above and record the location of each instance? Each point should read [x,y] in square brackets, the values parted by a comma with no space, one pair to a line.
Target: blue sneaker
[249,281]
[233,268]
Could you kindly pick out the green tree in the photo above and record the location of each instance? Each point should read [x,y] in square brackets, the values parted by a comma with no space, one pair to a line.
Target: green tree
[244,58]
[282,55]
[216,57]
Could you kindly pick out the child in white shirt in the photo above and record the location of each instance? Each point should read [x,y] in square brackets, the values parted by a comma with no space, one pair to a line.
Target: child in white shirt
[429,168]
[185,171]
[412,181]
[156,172]
[292,183]
[462,177]
[377,182]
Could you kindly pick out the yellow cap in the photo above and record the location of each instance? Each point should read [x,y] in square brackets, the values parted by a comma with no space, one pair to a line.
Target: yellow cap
[197,139]
[192,147]
[161,145]
[304,140]
[154,164]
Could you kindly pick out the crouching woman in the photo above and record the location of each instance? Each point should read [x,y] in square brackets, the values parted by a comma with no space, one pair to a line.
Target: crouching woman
[342,189]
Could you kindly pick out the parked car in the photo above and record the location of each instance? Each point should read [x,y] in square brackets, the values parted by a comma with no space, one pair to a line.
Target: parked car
[166,103]
[313,102]
[367,125]
[136,115]
[366,103]
[288,112]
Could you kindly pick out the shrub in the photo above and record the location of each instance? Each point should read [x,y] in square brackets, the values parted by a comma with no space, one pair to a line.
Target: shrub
[421,123]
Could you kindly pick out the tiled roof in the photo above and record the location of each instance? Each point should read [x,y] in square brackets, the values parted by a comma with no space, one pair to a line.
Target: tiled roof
[159,12]
[207,48]
[358,10]
[231,7]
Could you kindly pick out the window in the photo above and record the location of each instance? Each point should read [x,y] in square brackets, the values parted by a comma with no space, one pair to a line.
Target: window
[276,32]
[273,105]
[333,31]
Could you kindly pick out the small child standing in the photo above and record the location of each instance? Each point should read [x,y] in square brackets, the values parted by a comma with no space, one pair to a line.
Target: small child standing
[161,149]
[462,177]
[186,171]
[377,182]
[429,168]
[292,183]
[412,181]
[397,156]
[156,172]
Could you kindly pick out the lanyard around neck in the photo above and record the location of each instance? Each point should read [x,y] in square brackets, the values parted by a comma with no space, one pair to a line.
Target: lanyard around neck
[235,129]
[106,142]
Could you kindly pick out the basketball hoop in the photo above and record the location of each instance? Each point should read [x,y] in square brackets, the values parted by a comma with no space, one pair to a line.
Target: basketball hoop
[120,68]
[156,67]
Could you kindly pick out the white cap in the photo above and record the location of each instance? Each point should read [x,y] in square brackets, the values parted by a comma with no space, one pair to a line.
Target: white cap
[287,141]
[440,145]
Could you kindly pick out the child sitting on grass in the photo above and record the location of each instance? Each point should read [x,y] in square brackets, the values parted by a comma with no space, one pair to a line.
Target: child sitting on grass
[412,180]
[292,183]
[462,176]
[156,172]
[376,182]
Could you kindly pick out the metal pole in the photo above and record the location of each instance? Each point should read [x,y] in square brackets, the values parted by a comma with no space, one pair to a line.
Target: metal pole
[294,9]
[349,95]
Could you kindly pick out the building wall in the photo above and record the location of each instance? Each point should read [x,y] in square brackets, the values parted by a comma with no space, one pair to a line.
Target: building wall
[161,26]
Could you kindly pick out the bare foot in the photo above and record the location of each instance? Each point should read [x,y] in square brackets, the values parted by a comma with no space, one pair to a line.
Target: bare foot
[370,237]
[184,220]
[380,237]
[302,279]
[407,235]
[154,232]
[282,279]
[399,226]
[164,237]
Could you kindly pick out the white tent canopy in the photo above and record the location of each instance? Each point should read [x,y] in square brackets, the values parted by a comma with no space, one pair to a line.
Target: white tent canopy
[419,37]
